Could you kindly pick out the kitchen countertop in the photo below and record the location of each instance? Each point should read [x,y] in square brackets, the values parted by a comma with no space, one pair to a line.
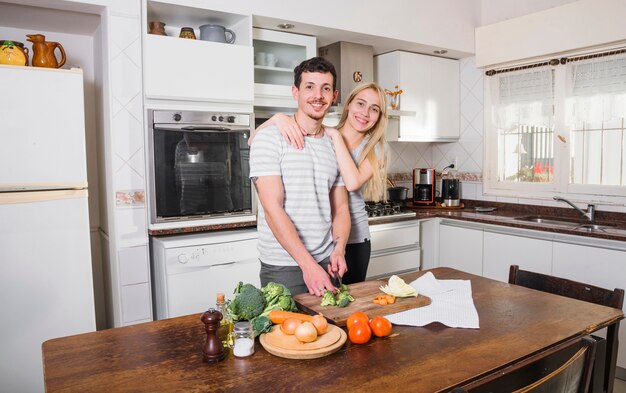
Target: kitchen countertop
[505,215]
[201,228]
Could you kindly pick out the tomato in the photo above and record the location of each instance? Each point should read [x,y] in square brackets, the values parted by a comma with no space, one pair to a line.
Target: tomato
[381,327]
[357,316]
[360,333]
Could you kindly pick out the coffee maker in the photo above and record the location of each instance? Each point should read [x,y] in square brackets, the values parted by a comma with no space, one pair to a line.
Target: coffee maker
[424,186]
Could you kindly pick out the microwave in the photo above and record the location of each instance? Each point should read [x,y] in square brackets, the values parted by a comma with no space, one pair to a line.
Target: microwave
[198,168]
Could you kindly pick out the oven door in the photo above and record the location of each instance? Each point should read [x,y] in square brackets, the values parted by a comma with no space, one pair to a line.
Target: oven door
[199,172]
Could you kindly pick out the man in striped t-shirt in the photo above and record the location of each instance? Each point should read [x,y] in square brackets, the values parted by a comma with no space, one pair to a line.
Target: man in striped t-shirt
[303,219]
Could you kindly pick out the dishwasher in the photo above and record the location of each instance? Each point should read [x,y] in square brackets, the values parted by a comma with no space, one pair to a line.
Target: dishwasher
[189,270]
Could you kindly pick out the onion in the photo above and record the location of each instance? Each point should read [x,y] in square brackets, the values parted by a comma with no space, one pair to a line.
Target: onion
[290,325]
[306,332]
[320,323]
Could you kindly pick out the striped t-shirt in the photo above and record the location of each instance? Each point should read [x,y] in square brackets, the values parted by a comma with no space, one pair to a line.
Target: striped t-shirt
[359,228]
[308,176]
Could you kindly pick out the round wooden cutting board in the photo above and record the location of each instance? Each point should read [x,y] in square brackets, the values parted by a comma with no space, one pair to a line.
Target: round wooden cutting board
[286,346]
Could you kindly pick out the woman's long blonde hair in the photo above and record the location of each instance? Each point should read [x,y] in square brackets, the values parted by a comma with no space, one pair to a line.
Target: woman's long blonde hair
[375,189]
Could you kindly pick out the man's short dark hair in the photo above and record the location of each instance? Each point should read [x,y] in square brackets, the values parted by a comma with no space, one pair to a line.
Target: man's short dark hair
[314,64]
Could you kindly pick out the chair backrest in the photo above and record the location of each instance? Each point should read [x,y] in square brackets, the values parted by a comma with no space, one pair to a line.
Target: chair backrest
[564,287]
[564,368]
[607,361]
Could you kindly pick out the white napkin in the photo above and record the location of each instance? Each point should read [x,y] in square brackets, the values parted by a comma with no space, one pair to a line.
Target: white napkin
[451,304]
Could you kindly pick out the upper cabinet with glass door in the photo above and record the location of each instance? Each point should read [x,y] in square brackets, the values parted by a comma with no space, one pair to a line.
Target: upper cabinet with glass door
[214,67]
[276,54]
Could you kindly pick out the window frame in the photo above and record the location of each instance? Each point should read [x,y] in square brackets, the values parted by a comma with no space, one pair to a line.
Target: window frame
[562,146]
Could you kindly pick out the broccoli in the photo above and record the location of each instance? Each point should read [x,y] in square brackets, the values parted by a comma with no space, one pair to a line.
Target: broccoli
[277,297]
[273,290]
[328,299]
[261,324]
[344,298]
[248,302]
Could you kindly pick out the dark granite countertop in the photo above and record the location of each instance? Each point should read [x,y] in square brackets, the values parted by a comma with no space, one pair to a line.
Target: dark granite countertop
[506,214]
[201,228]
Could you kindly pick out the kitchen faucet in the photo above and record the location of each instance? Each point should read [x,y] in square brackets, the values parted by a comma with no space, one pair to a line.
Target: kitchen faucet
[589,214]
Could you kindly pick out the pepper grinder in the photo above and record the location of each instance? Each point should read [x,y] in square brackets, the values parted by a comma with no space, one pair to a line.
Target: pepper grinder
[213,350]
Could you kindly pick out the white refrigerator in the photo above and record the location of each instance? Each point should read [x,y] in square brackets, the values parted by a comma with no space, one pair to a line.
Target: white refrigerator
[46,284]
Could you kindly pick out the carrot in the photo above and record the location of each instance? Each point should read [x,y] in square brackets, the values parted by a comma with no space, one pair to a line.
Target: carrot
[380,300]
[278,316]
[390,299]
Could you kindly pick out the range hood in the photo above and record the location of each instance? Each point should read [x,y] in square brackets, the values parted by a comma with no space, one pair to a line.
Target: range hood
[354,64]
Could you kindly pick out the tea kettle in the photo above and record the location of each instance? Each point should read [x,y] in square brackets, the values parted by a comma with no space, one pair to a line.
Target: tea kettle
[43,52]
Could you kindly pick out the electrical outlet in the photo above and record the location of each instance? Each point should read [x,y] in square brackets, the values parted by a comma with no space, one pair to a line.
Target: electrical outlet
[453,162]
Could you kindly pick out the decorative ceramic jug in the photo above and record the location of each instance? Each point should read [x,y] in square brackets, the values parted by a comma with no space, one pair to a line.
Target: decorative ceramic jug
[13,53]
[157,28]
[43,52]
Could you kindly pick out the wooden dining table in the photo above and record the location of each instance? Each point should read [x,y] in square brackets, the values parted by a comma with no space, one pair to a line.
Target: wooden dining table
[166,355]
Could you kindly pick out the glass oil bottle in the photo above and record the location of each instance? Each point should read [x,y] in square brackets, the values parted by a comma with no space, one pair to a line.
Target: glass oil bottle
[225,331]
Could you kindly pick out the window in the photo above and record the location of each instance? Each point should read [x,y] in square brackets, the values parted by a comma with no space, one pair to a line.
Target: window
[524,122]
[558,128]
[595,107]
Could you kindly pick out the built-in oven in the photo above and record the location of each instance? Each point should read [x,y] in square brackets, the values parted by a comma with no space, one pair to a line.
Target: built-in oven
[198,166]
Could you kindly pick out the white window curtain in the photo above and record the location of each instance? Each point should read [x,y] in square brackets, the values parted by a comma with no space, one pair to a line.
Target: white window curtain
[595,113]
[523,98]
[596,90]
[523,118]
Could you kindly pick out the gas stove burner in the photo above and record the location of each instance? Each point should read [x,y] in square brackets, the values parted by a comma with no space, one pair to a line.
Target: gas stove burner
[386,210]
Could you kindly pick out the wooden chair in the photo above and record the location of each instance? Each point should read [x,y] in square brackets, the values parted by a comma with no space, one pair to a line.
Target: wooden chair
[564,368]
[584,292]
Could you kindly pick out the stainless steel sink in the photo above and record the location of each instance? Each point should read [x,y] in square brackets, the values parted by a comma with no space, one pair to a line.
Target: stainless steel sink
[549,221]
[594,227]
[557,221]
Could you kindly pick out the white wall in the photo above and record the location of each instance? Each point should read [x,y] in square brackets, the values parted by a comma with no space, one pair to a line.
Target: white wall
[573,26]
[493,11]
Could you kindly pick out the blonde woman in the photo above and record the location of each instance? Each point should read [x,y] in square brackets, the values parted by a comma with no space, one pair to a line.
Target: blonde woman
[360,148]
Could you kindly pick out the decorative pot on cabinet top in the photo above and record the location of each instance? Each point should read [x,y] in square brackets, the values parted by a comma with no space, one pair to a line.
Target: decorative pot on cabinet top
[43,52]
[13,53]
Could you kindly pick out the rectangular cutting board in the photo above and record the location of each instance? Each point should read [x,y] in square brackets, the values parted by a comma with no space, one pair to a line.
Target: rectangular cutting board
[363,294]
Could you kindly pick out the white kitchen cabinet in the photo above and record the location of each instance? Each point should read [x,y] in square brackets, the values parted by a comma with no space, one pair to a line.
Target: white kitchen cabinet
[461,247]
[136,304]
[500,251]
[431,89]
[135,288]
[273,79]
[196,70]
[490,250]
[429,242]
[602,267]
[395,248]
